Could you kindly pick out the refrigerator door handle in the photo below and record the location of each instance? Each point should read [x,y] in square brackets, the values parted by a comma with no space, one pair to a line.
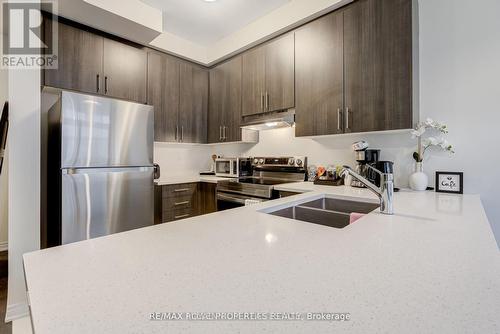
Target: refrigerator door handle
[157,172]
[96,170]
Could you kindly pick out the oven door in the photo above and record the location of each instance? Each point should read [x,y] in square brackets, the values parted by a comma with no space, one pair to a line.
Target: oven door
[226,201]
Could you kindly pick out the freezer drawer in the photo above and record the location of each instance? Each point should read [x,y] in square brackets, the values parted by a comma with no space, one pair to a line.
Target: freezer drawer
[97,202]
[103,132]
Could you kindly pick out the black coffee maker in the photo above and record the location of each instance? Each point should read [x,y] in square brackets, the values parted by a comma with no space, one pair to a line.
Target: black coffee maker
[384,167]
[363,158]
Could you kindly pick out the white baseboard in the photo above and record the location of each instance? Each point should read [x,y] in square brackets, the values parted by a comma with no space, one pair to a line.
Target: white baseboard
[4,245]
[16,311]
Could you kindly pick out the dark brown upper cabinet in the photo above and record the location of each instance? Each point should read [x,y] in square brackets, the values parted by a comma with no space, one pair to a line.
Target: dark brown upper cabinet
[378,65]
[91,63]
[268,77]
[253,81]
[319,76]
[354,70]
[80,57]
[193,108]
[163,95]
[225,102]
[125,69]
[179,93]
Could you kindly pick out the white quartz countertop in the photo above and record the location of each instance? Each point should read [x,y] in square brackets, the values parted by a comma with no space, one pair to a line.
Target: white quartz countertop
[189,179]
[433,267]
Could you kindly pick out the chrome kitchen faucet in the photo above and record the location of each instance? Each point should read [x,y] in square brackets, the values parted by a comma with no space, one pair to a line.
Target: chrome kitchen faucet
[385,192]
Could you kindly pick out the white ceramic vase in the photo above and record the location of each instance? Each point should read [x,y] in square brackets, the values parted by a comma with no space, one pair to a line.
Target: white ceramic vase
[419,180]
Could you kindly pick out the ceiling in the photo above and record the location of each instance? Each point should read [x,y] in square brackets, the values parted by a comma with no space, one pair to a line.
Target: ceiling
[205,23]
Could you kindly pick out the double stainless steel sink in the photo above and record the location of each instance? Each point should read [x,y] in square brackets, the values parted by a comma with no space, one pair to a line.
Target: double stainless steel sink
[326,211]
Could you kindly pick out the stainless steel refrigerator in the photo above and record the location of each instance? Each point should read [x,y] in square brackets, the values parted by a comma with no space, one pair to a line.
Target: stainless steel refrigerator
[97,166]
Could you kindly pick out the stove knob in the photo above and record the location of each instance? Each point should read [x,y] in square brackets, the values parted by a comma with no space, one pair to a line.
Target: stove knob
[291,161]
[299,162]
[261,161]
[255,161]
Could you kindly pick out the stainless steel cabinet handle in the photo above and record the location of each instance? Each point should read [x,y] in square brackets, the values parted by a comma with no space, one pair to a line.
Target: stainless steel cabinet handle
[339,119]
[106,85]
[181,203]
[224,133]
[176,132]
[267,101]
[181,190]
[182,133]
[182,216]
[98,83]
[347,111]
[220,133]
[262,101]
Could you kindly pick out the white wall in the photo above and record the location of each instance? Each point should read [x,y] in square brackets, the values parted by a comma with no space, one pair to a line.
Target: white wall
[330,150]
[181,159]
[24,181]
[459,71]
[4,96]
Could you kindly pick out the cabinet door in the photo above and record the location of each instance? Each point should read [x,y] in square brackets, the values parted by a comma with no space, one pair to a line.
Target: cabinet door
[231,106]
[163,95]
[193,107]
[253,81]
[215,105]
[378,65]
[125,69]
[280,73]
[80,59]
[207,201]
[319,76]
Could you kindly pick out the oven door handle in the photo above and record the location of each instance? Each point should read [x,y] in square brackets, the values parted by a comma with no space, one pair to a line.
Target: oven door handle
[232,198]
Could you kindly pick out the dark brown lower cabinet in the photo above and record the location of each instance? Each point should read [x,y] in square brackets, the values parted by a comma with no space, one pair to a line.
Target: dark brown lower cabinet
[207,200]
[180,201]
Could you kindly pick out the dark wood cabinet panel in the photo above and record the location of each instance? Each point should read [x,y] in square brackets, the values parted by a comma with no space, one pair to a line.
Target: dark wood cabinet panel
[319,76]
[231,110]
[163,95]
[125,70]
[225,102]
[280,73]
[215,119]
[253,81]
[378,65]
[80,62]
[207,200]
[179,201]
[193,109]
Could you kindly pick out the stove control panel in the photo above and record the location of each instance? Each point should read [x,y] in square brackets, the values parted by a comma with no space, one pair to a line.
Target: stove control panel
[280,162]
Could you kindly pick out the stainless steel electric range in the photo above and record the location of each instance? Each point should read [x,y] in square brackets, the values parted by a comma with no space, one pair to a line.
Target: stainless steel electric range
[266,173]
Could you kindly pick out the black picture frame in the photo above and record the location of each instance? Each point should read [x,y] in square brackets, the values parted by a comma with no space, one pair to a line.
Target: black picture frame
[439,187]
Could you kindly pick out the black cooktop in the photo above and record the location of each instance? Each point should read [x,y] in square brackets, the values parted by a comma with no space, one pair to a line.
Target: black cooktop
[265,182]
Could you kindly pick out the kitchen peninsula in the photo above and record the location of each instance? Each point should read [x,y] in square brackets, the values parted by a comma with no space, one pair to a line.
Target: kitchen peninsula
[432,267]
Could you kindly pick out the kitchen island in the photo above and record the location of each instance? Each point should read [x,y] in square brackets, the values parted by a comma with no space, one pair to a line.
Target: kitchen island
[433,267]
